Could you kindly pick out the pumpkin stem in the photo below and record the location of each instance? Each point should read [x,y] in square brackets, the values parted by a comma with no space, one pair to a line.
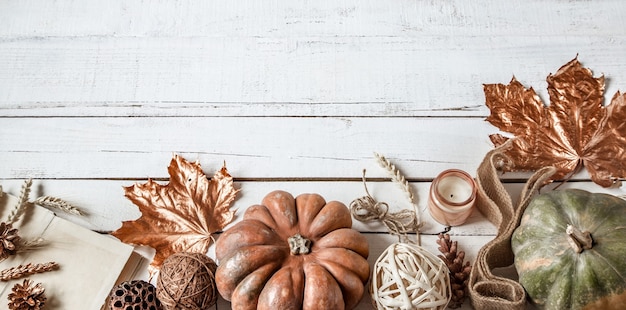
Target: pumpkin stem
[579,240]
[299,244]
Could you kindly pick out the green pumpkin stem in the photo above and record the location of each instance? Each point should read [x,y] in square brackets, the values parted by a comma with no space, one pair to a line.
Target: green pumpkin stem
[579,240]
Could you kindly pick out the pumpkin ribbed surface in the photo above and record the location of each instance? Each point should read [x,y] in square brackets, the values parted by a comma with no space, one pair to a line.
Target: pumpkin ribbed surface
[570,250]
[291,253]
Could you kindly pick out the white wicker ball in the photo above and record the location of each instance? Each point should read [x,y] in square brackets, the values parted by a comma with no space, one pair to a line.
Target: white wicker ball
[407,276]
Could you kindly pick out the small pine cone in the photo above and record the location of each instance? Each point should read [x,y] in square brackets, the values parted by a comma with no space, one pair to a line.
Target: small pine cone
[459,272]
[27,296]
[8,240]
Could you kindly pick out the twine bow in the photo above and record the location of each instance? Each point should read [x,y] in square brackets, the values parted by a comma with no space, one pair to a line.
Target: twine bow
[367,209]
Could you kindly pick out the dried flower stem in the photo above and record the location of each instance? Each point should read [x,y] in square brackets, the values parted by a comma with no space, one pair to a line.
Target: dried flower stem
[57,203]
[26,270]
[23,200]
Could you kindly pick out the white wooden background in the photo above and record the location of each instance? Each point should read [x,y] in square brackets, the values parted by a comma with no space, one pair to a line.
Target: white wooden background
[293,95]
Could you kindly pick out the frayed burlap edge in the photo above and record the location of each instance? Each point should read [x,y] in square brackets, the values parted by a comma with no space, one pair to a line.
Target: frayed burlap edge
[486,290]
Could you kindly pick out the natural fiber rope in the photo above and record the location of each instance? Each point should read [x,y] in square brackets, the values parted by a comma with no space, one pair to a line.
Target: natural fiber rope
[487,290]
[367,209]
[187,281]
[407,276]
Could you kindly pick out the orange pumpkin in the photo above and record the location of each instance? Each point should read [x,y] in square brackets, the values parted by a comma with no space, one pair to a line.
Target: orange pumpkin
[293,254]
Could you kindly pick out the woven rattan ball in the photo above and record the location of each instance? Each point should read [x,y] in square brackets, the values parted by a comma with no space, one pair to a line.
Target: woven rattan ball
[407,276]
[136,294]
[187,281]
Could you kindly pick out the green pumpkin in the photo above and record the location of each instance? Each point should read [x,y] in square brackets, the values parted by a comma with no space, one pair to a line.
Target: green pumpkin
[570,250]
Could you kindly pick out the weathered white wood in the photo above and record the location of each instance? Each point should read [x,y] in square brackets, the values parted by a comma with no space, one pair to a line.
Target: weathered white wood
[373,59]
[291,148]
[145,18]
[250,76]
[251,147]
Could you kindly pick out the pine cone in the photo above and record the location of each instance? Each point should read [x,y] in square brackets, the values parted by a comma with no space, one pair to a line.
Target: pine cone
[459,272]
[27,297]
[8,240]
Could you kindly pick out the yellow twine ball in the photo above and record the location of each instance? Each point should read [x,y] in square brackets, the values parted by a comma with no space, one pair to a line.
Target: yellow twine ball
[407,276]
[187,281]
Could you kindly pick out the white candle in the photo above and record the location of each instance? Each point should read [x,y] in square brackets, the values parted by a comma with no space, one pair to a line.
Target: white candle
[454,189]
[451,198]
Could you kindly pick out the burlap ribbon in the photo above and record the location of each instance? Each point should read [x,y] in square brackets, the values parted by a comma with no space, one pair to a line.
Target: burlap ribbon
[486,290]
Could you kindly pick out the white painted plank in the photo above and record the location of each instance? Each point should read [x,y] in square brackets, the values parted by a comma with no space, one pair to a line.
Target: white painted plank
[252,147]
[286,76]
[19,19]
[399,58]
[291,148]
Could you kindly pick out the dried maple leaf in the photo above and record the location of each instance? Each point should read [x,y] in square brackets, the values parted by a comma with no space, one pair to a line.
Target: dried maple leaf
[575,130]
[182,215]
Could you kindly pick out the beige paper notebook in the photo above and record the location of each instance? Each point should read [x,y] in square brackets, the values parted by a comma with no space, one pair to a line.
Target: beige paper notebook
[90,264]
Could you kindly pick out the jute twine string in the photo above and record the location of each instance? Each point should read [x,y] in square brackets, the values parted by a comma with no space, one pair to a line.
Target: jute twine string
[187,281]
[405,275]
[486,290]
[367,209]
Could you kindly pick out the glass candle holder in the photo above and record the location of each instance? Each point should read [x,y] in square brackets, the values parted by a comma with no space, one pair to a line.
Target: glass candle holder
[452,196]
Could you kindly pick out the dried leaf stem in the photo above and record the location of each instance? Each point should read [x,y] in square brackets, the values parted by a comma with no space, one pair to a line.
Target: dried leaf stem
[26,270]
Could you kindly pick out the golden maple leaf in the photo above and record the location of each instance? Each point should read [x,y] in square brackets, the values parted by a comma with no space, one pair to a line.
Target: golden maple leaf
[182,215]
[575,130]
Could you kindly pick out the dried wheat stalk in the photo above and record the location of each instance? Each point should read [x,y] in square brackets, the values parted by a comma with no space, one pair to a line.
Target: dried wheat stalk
[398,177]
[25,270]
[23,200]
[57,203]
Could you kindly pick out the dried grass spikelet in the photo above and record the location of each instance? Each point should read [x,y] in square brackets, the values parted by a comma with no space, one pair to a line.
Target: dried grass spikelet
[187,281]
[26,270]
[407,276]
